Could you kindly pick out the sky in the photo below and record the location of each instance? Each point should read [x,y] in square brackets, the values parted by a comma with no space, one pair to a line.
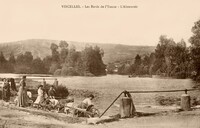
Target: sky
[46,19]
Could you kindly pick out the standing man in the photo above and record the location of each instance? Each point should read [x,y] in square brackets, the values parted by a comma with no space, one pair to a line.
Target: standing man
[44,85]
[55,83]
[44,82]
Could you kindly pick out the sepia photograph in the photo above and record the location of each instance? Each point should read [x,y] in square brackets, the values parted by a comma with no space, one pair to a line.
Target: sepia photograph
[99,64]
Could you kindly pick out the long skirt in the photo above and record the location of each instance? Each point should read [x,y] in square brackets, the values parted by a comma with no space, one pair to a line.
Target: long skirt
[39,100]
[22,97]
[6,94]
[79,113]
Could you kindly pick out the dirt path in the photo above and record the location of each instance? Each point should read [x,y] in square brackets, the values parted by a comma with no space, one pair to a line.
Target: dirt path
[18,119]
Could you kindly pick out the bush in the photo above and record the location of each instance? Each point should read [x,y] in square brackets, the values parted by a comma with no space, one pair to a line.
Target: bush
[180,75]
[68,71]
[22,69]
[88,74]
[64,71]
[57,72]
[198,78]
[167,101]
[53,68]
[61,91]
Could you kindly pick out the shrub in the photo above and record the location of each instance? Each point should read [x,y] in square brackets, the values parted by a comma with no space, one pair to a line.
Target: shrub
[61,91]
[88,74]
[53,68]
[68,71]
[180,75]
[198,78]
[64,71]
[57,72]
[22,69]
[167,101]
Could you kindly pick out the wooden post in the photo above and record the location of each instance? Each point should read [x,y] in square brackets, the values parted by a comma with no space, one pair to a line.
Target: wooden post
[126,107]
[185,102]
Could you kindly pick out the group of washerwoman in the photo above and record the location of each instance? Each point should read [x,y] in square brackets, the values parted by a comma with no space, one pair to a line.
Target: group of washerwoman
[44,96]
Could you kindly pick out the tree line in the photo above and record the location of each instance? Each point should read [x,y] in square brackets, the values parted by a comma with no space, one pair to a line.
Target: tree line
[23,63]
[64,60]
[170,58]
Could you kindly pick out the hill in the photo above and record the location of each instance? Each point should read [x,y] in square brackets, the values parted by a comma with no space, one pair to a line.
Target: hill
[41,48]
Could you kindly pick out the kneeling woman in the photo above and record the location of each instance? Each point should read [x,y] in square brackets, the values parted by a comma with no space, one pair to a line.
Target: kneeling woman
[40,97]
[85,104]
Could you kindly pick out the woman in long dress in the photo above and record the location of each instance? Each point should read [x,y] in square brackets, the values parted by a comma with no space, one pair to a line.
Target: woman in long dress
[40,97]
[13,89]
[6,90]
[22,94]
